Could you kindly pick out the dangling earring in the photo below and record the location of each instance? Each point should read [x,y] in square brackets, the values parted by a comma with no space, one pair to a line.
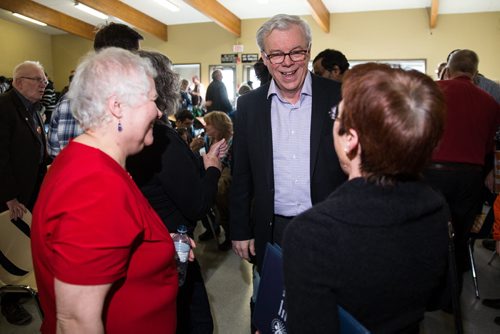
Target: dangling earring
[120,128]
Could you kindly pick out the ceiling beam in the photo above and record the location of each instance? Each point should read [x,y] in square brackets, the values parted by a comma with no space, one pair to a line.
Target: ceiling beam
[434,14]
[217,12]
[320,14]
[130,15]
[49,16]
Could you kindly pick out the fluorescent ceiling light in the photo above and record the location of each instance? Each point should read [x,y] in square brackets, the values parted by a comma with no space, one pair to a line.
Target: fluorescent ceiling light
[91,11]
[168,5]
[29,19]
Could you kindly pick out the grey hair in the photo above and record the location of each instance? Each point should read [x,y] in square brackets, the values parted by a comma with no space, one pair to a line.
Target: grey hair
[166,82]
[19,69]
[282,22]
[99,76]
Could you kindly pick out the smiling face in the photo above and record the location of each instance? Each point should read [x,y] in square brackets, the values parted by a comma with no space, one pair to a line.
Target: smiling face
[289,75]
[138,120]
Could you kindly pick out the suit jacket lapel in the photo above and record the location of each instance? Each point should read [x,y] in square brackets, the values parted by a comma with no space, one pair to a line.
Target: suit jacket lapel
[319,119]
[28,118]
[267,134]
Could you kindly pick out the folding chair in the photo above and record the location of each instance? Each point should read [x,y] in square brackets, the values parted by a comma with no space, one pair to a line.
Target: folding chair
[16,267]
[484,232]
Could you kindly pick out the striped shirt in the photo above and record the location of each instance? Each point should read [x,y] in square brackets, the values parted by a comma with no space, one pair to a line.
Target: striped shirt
[63,127]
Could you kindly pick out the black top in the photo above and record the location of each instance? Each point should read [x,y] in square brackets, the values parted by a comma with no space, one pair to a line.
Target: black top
[217,93]
[173,179]
[379,252]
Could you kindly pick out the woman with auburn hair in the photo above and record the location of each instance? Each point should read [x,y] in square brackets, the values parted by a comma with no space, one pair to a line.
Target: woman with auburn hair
[377,246]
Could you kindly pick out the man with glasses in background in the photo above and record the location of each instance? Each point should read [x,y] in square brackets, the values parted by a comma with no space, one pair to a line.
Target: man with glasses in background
[23,156]
[284,161]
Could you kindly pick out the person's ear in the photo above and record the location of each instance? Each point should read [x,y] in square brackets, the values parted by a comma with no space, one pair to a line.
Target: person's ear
[352,143]
[115,107]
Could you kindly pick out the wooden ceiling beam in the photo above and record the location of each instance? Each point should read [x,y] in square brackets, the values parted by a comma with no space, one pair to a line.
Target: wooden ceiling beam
[220,14]
[320,14]
[433,14]
[50,17]
[130,15]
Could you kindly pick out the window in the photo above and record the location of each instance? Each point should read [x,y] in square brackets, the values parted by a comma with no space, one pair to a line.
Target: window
[187,71]
[249,75]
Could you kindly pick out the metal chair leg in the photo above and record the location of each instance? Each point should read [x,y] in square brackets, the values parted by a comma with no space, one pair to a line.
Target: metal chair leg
[211,224]
[492,257]
[473,268]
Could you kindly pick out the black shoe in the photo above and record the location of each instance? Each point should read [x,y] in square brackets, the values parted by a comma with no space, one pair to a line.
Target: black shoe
[493,303]
[226,245]
[208,235]
[489,244]
[16,314]
[497,320]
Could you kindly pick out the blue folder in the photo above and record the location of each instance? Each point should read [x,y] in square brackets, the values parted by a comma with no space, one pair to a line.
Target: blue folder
[270,312]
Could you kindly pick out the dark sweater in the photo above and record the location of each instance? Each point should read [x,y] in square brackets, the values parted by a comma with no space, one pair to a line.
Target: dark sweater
[379,252]
[173,179]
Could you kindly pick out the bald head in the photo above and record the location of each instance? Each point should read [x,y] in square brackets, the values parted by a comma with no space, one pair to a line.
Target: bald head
[29,80]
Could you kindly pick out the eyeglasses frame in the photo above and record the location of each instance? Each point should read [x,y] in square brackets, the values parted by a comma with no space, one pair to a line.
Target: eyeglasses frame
[40,80]
[302,52]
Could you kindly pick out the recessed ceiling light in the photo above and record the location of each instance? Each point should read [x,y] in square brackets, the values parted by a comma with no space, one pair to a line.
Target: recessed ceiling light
[168,5]
[91,11]
[30,19]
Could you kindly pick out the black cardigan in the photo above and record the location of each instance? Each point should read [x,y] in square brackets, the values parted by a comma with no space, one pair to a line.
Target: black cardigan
[379,252]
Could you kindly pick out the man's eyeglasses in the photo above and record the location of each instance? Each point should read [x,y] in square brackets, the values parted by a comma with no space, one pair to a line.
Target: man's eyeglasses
[40,80]
[279,57]
[334,113]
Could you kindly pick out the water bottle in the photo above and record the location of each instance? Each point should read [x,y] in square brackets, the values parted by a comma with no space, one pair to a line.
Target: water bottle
[182,248]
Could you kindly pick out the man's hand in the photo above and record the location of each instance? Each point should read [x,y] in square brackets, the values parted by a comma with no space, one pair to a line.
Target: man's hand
[489,181]
[16,209]
[244,248]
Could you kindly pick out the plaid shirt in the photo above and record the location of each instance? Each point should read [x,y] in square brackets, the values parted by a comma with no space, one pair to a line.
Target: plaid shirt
[63,127]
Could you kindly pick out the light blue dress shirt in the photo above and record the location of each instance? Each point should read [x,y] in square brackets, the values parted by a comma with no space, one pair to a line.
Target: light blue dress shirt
[291,134]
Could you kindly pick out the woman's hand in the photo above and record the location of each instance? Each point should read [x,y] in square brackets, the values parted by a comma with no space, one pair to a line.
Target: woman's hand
[219,148]
[196,144]
[212,158]
[192,243]
[191,252]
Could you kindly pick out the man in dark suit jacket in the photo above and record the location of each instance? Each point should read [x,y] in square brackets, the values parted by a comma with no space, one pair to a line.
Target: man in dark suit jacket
[284,161]
[23,157]
[23,152]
